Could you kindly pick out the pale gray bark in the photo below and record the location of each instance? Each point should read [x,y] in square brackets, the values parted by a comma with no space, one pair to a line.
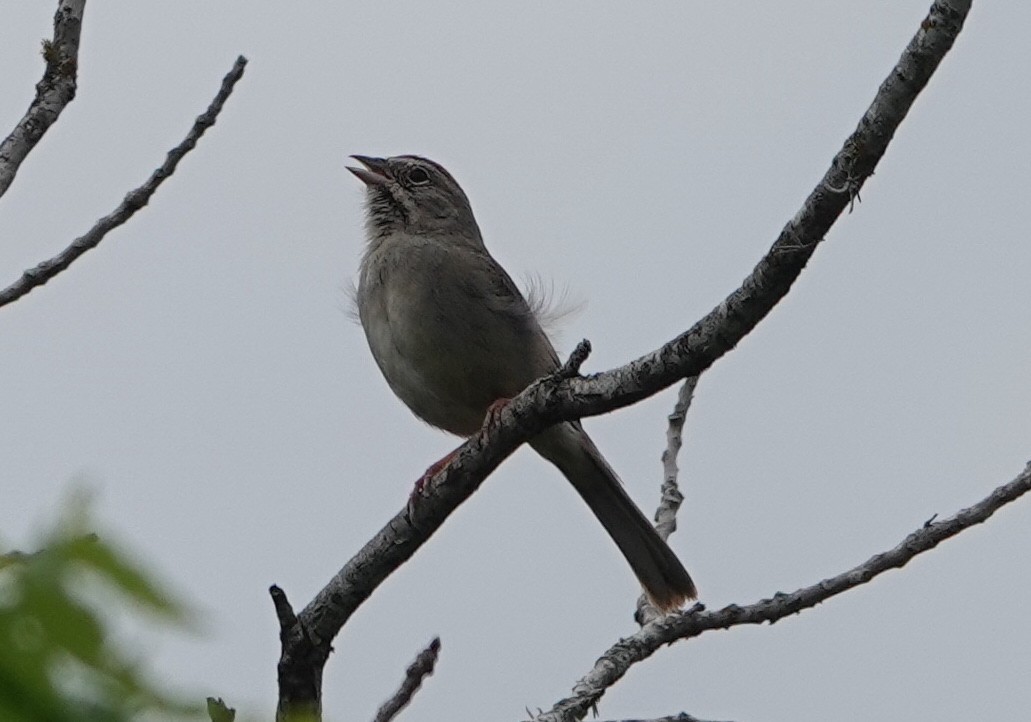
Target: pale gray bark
[562,398]
[615,662]
[53,92]
[565,397]
[672,498]
[133,201]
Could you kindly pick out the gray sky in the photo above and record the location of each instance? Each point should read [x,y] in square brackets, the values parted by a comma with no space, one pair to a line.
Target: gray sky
[200,372]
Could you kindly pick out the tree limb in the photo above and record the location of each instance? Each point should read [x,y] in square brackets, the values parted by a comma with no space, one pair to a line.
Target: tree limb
[53,92]
[133,201]
[615,662]
[555,399]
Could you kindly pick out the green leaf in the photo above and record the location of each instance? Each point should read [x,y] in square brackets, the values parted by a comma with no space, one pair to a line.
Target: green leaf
[59,661]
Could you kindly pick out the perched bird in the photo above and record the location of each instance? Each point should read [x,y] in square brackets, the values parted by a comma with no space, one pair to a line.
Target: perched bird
[453,335]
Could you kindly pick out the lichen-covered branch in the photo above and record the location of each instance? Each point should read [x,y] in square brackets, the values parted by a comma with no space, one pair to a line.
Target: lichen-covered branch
[615,662]
[53,92]
[672,497]
[723,328]
[557,398]
[133,201]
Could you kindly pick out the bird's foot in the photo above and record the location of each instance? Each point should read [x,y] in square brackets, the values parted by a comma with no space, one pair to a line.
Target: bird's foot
[422,481]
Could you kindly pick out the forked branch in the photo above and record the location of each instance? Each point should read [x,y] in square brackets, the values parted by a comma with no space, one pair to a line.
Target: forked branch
[555,399]
[615,662]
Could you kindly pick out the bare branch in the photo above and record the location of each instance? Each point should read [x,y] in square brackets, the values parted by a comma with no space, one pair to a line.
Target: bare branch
[284,610]
[612,665]
[722,328]
[53,92]
[551,400]
[576,359]
[300,665]
[666,514]
[672,498]
[133,201]
[419,670]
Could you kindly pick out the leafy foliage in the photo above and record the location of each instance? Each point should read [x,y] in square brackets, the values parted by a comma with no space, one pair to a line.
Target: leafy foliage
[59,661]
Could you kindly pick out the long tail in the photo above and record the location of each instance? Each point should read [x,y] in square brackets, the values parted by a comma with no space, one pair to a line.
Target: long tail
[665,581]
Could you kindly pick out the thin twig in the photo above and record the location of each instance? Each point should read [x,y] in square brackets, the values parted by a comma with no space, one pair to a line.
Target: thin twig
[672,498]
[417,671]
[576,359]
[612,665]
[284,611]
[53,92]
[552,400]
[133,201]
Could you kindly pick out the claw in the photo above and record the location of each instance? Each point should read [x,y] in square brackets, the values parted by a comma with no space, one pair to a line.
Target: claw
[423,481]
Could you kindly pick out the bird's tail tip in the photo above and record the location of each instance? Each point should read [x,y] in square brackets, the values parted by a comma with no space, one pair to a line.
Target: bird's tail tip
[671,598]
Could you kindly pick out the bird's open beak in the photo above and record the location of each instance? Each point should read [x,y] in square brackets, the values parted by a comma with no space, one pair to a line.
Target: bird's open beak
[375,173]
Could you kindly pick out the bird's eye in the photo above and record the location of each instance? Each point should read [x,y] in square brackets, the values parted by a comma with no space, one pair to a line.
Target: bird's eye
[418,177]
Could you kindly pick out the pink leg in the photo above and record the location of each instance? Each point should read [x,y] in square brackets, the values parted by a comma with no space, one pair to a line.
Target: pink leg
[422,481]
[489,419]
